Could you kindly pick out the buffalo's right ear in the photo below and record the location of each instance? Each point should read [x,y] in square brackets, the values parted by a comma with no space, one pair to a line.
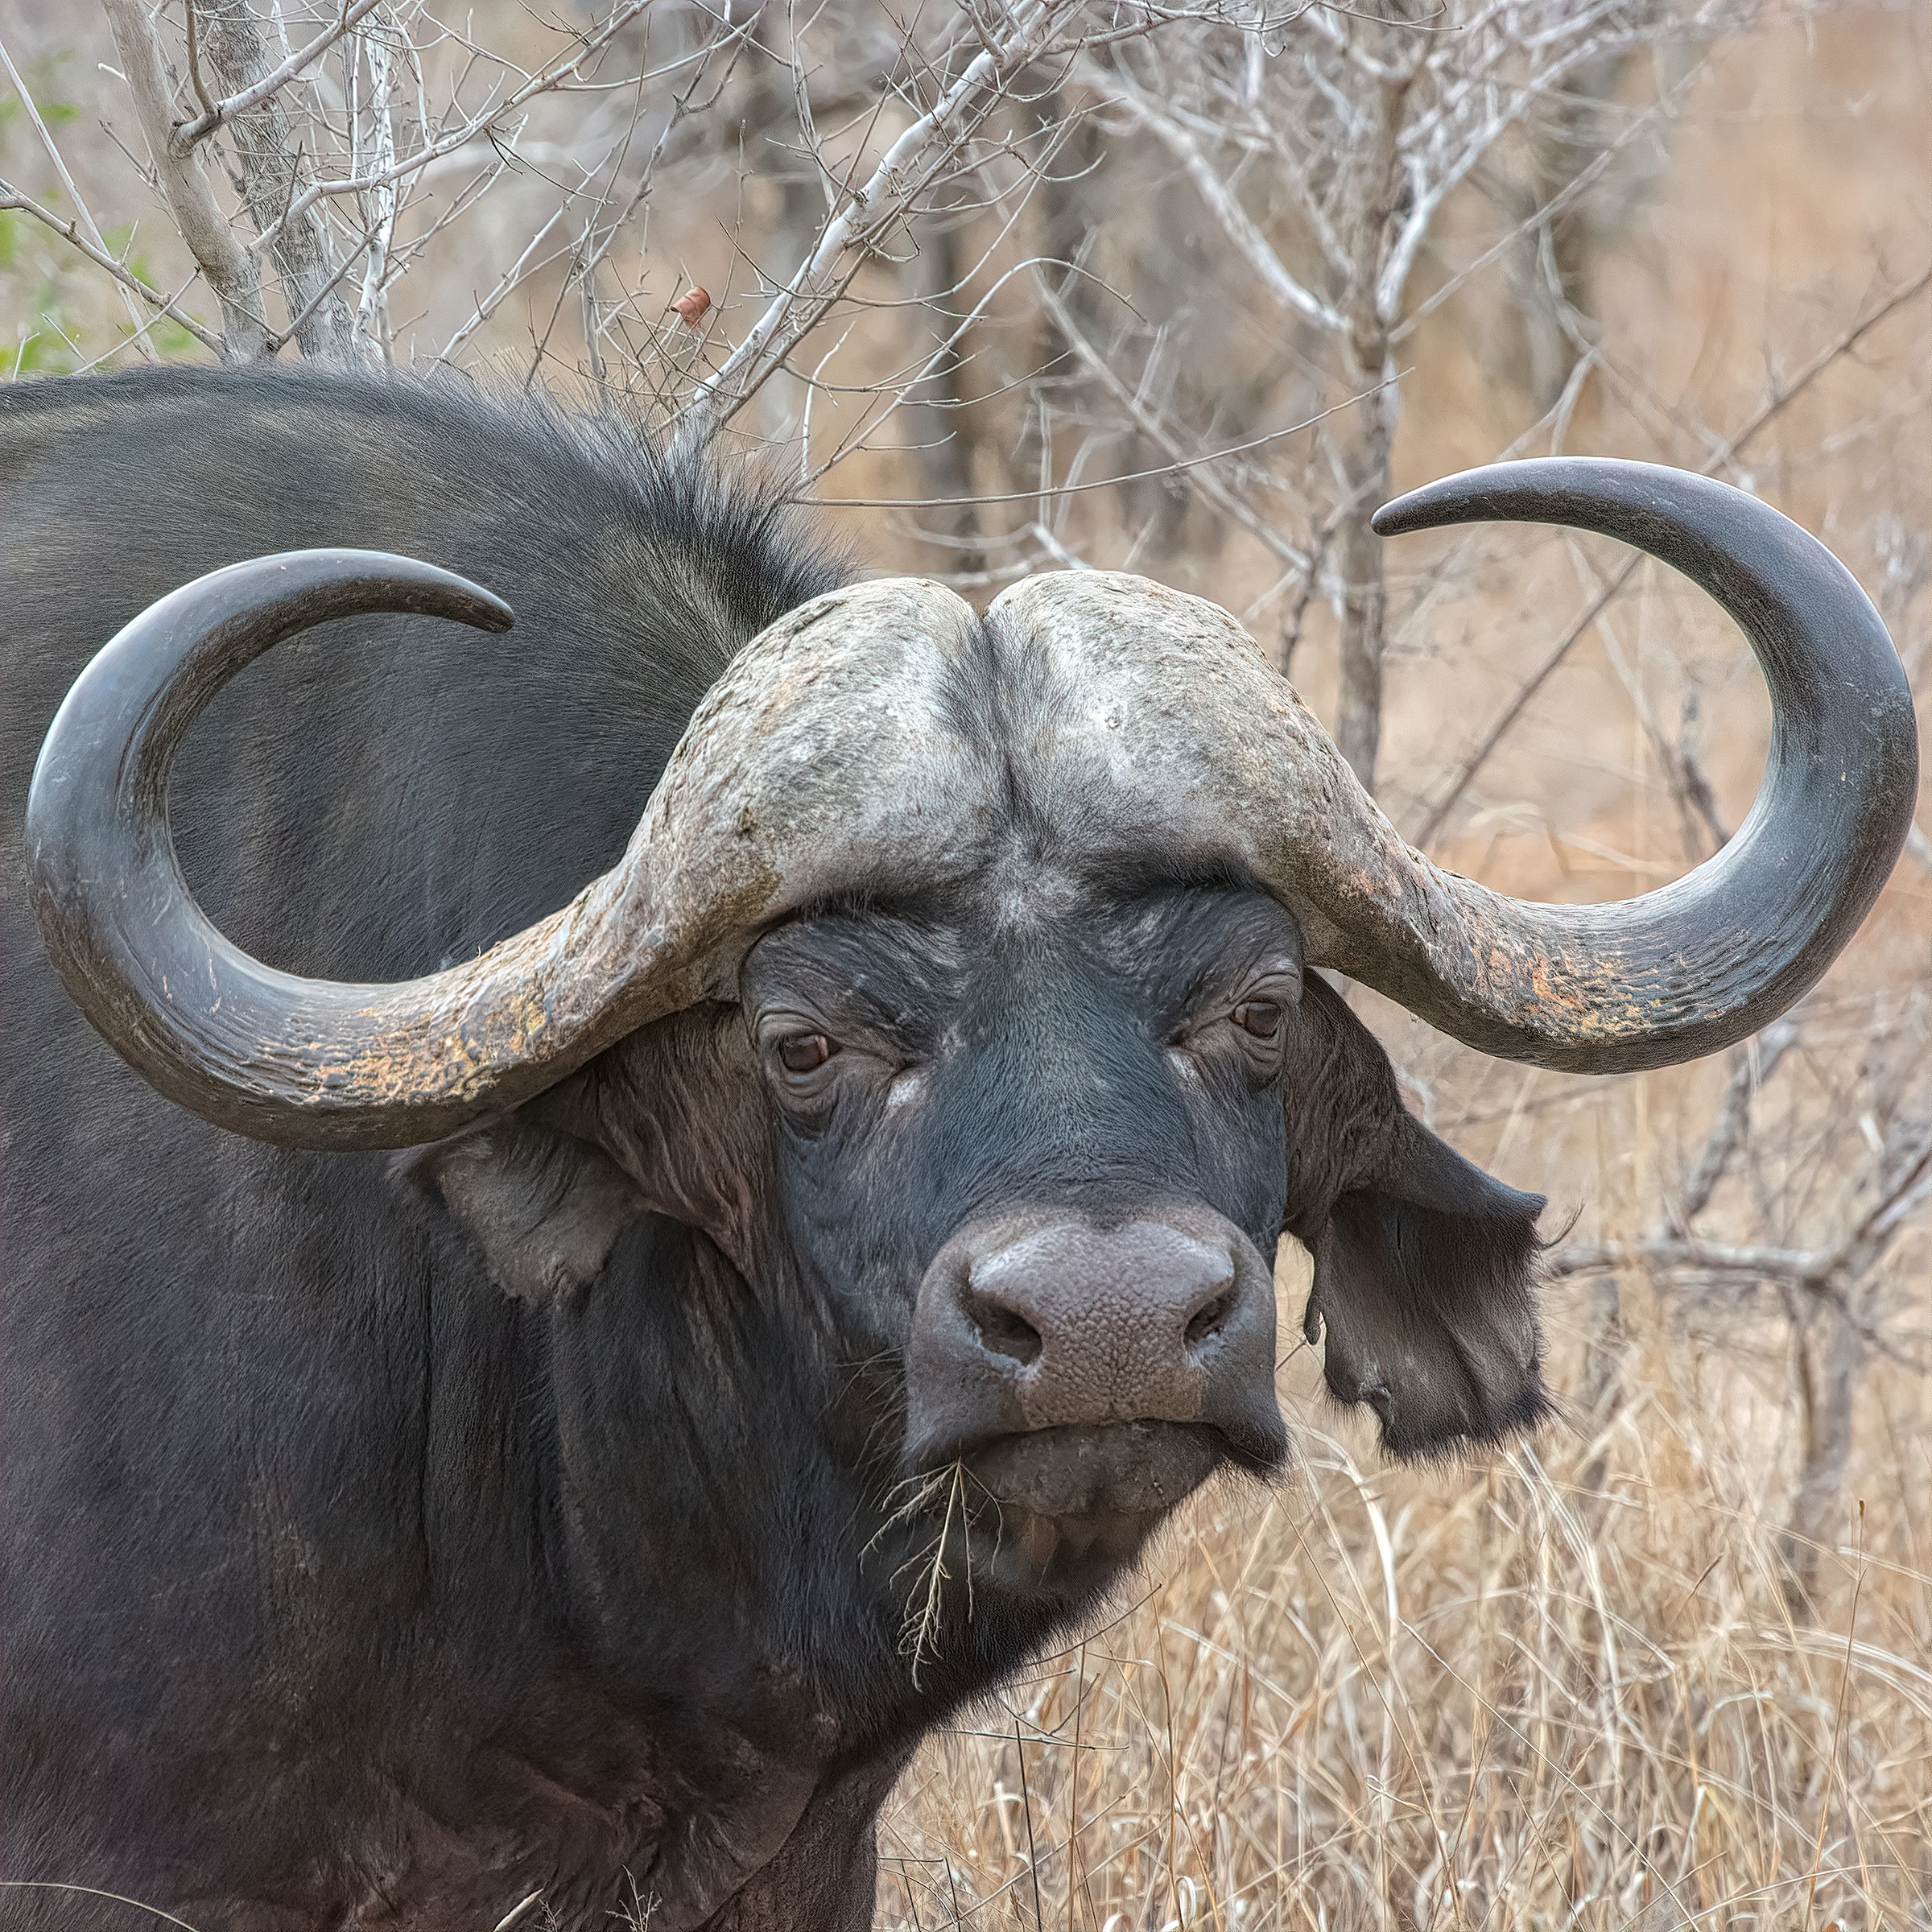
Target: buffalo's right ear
[1425,1267]
[545,1207]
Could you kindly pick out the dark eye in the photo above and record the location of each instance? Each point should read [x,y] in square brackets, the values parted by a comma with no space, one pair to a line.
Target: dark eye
[1260,1018]
[804,1052]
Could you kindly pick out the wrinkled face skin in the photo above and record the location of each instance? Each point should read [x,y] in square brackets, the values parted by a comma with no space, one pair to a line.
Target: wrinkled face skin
[1038,1149]
[1015,1158]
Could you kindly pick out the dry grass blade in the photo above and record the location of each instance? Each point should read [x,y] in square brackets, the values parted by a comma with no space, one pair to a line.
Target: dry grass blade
[1437,1703]
[941,1496]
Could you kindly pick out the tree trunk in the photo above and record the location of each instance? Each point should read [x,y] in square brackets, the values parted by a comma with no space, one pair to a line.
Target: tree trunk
[938,422]
[1366,462]
[1826,1348]
[1376,206]
[272,172]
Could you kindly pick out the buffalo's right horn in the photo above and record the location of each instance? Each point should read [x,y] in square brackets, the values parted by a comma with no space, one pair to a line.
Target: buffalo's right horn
[817,744]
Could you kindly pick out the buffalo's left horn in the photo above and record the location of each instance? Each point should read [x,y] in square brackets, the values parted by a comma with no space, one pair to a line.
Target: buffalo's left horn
[804,736]
[1699,964]
[1206,756]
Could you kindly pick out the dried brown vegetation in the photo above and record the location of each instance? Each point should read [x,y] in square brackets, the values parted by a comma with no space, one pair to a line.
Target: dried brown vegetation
[1673,1664]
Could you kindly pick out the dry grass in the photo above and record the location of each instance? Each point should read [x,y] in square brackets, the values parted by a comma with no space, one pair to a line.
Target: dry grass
[1480,1698]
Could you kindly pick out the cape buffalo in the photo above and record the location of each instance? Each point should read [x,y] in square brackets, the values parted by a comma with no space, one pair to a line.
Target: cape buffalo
[485,1381]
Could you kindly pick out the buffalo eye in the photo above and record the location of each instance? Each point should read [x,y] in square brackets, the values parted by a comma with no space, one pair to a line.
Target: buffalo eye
[1260,1018]
[804,1052]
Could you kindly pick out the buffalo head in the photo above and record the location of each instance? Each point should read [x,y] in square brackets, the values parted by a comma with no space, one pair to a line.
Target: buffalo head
[960,972]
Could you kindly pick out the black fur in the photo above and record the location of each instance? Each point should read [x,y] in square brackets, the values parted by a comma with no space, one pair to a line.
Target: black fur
[400,1534]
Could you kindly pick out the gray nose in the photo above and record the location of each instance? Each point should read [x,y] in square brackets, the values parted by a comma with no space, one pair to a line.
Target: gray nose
[1035,1323]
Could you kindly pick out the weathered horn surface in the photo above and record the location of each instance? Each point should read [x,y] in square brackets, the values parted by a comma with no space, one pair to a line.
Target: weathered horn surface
[815,759]
[1210,749]
[845,747]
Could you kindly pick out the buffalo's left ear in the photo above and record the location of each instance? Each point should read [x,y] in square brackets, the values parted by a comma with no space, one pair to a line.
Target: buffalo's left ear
[1425,1269]
[1425,1290]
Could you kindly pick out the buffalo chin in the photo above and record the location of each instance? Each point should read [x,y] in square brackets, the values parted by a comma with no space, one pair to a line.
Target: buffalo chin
[1063,1508]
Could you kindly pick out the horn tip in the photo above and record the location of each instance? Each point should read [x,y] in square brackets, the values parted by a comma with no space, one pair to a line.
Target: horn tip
[1401,514]
[491,614]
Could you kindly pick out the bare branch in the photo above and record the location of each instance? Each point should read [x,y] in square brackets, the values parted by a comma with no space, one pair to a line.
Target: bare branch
[227,267]
[259,90]
[1780,399]
[319,299]
[474,128]
[1869,1241]
[1255,249]
[1177,464]
[70,232]
[1151,426]
[1804,1268]
[1751,1064]
[1572,192]
[518,272]
[194,60]
[1812,1269]
[871,215]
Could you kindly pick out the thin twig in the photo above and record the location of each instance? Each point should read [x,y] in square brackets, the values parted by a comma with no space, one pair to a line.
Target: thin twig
[1809,1269]
[1150,426]
[1068,489]
[191,9]
[88,226]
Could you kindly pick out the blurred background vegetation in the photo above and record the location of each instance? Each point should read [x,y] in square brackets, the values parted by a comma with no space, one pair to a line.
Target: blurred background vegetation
[1017,285]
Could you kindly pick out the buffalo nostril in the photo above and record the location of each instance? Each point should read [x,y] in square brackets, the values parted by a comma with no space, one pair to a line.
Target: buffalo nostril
[1003,1332]
[1209,1319]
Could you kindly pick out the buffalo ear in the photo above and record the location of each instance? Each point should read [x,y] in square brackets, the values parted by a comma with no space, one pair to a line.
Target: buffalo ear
[1424,1289]
[545,1207]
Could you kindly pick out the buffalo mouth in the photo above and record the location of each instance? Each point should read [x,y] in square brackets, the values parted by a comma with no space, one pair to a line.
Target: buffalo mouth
[1066,1508]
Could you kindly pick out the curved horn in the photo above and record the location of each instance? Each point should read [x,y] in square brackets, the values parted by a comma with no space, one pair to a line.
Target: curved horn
[1703,962]
[1205,753]
[726,839]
